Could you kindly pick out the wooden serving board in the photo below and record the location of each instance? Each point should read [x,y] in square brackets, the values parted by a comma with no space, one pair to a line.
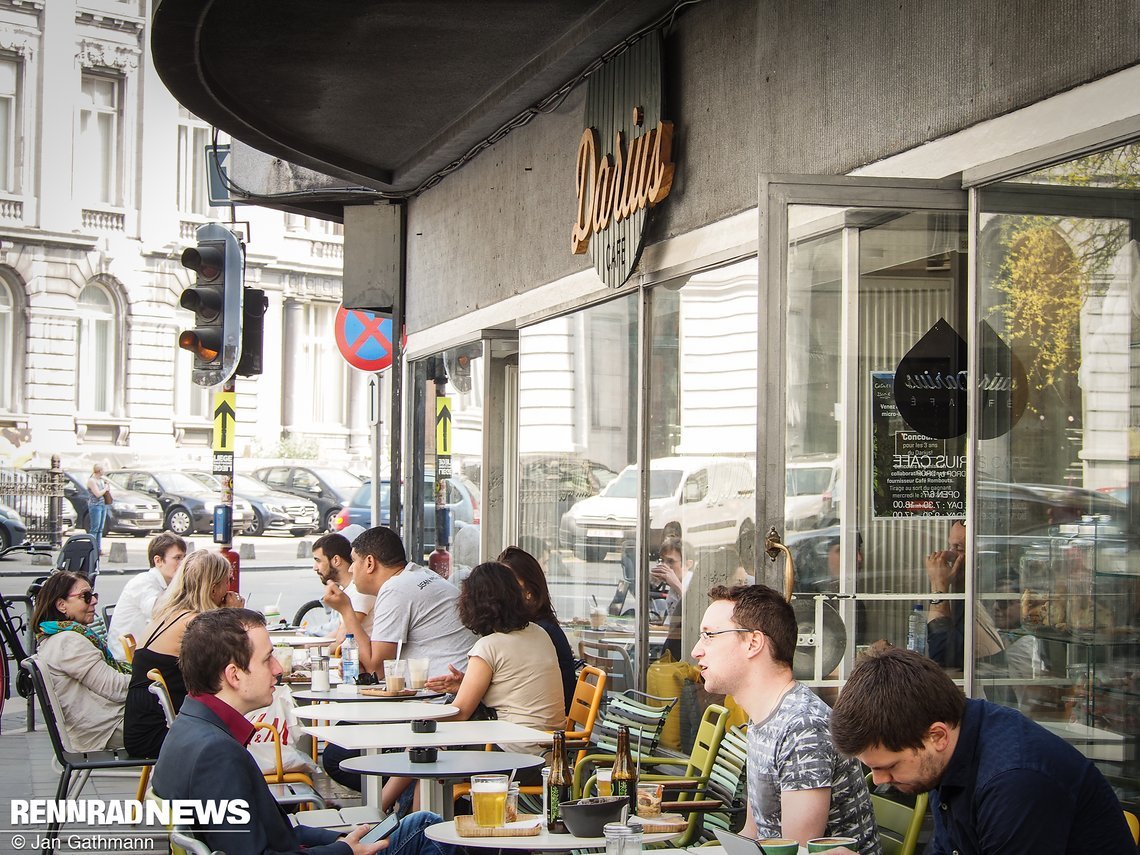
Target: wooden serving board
[665,823]
[384,693]
[465,827]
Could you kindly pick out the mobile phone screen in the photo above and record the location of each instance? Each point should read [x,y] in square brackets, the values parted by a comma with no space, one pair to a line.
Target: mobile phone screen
[381,830]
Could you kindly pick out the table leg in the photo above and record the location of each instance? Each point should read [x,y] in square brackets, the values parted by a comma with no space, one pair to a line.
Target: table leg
[371,784]
[448,797]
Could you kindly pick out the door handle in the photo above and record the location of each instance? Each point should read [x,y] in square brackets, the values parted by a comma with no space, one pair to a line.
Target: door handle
[773,545]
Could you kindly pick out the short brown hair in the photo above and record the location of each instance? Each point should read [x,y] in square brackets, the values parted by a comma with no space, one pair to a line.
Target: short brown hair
[212,641]
[891,700]
[531,576]
[492,601]
[334,545]
[762,608]
[160,543]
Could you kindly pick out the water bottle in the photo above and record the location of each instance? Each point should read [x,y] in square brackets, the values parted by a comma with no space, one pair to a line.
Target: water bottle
[916,630]
[349,660]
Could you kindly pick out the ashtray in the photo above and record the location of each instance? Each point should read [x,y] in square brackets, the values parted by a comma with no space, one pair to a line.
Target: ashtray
[423,755]
[423,726]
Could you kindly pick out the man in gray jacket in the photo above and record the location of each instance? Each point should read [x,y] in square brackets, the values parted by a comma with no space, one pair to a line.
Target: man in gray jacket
[228,665]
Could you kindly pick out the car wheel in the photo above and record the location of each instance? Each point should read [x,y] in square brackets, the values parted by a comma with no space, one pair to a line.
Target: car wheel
[746,546]
[330,518]
[5,539]
[179,521]
[313,613]
[595,553]
[300,532]
[257,527]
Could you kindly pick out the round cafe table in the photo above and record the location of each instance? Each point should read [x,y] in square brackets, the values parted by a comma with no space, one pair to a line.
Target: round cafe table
[369,713]
[343,695]
[451,766]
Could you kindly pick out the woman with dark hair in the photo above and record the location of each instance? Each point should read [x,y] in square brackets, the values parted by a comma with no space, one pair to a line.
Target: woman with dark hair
[89,682]
[509,671]
[531,577]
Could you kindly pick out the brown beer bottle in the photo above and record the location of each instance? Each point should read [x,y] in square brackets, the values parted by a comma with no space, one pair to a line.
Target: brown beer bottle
[624,779]
[558,787]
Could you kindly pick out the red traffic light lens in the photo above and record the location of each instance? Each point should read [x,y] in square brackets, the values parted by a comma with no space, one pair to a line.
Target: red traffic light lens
[205,260]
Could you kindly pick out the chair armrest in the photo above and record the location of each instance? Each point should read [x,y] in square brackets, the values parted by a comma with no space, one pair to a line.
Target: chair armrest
[268,725]
[194,846]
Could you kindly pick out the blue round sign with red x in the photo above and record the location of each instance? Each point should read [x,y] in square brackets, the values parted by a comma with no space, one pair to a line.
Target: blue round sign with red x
[364,338]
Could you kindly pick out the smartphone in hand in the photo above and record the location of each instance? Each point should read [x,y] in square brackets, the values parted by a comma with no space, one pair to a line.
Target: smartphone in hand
[381,830]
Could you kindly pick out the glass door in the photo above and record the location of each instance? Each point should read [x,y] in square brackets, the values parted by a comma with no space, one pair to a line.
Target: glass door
[1057,479]
[863,431]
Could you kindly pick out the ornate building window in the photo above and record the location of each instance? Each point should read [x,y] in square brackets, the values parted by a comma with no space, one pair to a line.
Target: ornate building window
[96,351]
[9,120]
[99,140]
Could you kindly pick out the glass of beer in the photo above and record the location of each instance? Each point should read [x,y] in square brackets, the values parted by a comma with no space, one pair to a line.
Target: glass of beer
[605,782]
[489,800]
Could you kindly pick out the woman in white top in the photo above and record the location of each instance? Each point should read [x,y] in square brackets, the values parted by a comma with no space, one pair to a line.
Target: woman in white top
[98,499]
[90,684]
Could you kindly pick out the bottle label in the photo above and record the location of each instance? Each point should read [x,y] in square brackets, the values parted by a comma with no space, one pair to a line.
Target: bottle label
[620,788]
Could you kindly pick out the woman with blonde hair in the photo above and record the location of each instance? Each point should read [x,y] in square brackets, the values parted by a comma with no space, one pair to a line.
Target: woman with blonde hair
[200,584]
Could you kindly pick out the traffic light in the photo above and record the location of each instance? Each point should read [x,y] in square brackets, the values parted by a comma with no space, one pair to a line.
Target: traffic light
[215,298]
[252,332]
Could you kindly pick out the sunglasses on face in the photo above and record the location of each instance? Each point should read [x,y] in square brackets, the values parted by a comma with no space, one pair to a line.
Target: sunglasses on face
[87,596]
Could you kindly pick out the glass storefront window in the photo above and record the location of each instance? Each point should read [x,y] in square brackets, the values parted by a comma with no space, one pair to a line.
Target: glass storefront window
[1058,483]
[444,512]
[577,413]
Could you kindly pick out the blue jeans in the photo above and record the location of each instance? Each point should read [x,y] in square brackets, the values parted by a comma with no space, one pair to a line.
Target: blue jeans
[97,511]
[409,839]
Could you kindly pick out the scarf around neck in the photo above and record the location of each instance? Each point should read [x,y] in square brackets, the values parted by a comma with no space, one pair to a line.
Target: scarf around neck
[53,627]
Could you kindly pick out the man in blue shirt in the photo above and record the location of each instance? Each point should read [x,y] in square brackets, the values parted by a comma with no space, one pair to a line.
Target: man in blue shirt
[999,783]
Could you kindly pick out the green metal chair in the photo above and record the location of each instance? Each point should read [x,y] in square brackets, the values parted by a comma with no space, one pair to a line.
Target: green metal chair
[727,782]
[899,823]
[696,774]
[643,714]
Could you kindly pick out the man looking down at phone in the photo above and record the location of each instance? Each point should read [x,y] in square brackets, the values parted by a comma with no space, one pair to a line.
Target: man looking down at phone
[799,786]
[228,665]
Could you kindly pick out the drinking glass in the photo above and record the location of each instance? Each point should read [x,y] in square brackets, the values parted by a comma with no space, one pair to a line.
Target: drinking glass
[489,800]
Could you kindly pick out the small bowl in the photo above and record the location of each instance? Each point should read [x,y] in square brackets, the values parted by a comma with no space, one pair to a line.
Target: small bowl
[588,817]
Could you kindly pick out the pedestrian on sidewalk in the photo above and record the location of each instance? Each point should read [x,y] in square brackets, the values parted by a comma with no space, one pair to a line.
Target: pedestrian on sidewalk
[99,500]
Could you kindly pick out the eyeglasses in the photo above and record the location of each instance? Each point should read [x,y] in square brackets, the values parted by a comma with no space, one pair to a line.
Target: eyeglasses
[88,596]
[706,635]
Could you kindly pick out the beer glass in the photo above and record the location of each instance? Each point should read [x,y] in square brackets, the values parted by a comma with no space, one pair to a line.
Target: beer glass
[489,800]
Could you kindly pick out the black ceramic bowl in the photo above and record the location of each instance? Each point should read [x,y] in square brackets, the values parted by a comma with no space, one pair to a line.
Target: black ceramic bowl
[588,817]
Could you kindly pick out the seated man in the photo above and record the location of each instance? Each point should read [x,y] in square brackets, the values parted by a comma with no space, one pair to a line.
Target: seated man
[228,665]
[799,787]
[136,603]
[998,782]
[332,562]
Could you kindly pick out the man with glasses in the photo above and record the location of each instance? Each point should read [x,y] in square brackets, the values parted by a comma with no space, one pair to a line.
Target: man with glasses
[799,787]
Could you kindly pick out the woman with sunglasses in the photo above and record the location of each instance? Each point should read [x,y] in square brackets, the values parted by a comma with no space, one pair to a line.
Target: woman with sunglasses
[199,585]
[89,682]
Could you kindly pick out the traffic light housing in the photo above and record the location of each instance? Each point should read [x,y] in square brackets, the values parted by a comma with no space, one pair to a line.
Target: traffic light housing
[254,305]
[216,300]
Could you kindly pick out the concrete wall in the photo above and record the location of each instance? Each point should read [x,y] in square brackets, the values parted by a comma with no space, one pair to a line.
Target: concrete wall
[814,86]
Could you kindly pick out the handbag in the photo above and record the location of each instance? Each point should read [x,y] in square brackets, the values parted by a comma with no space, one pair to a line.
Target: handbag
[107,500]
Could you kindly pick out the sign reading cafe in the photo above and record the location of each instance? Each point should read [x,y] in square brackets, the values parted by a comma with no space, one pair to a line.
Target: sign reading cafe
[624,164]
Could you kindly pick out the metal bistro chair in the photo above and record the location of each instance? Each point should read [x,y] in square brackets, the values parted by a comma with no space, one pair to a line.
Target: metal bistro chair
[129,646]
[611,658]
[81,764]
[728,781]
[182,839]
[899,823]
[16,640]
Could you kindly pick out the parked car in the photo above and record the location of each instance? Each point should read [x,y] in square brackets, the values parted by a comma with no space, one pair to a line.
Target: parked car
[462,500]
[12,529]
[131,513]
[328,488]
[187,504]
[272,509]
[706,501]
[812,497]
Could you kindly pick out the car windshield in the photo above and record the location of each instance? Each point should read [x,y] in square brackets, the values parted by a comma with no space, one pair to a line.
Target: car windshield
[363,496]
[339,479]
[208,481]
[808,481]
[662,483]
[245,484]
[179,482]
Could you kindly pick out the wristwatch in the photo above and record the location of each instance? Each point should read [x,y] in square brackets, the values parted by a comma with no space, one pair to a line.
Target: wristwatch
[939,601]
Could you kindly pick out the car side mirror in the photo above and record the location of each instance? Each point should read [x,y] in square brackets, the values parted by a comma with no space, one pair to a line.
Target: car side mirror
[692,492]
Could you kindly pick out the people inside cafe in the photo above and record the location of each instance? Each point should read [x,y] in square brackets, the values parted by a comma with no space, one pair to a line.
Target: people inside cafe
[89,682]
[416,612]
[229,668]
[998,782]
[201,584]
[332,562]
[136,602]
[674,571]
[945,618]
[799,787]
[532,579]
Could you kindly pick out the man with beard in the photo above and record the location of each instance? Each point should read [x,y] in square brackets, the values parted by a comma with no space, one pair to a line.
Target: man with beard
[799,788]
[332,562]
[998,782]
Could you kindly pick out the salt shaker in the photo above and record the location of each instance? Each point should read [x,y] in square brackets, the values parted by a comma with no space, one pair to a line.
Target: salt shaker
[622,839]
[319,665]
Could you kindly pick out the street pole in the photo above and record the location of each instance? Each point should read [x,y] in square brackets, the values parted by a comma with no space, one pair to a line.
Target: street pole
[225,426]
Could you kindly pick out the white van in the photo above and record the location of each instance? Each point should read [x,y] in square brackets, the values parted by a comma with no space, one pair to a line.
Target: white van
[706,501]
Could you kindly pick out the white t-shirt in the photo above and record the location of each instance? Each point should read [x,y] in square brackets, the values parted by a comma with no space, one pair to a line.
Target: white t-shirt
[362,603]
[134,609]
[420,609]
